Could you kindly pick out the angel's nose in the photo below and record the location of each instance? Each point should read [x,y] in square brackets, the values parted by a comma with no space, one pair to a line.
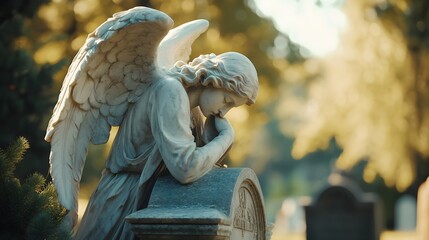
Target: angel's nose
[224,111]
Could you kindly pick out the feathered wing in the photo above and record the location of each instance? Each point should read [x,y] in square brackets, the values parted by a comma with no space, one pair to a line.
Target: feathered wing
[176,46]
[108,73]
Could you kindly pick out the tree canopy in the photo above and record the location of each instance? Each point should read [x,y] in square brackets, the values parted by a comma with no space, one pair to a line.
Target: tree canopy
[372,95]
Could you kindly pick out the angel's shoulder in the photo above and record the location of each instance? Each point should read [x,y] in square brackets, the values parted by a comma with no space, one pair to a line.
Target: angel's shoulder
[169,89]
[170,85]
[171,95]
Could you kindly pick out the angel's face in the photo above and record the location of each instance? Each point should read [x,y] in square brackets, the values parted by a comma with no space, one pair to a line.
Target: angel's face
[217,102]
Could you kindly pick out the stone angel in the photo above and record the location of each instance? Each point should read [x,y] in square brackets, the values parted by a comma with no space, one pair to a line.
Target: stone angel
[132,73]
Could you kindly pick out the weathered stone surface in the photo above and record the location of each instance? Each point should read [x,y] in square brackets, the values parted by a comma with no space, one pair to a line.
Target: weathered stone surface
[406,213]
[342,211]
[224,204]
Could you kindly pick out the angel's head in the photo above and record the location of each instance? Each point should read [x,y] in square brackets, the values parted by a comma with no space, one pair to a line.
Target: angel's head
[231,72]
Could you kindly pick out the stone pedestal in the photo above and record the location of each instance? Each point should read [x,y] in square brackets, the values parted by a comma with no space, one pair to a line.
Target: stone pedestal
[224,204]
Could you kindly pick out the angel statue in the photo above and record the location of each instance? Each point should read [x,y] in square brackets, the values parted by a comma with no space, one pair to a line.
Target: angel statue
[132,73]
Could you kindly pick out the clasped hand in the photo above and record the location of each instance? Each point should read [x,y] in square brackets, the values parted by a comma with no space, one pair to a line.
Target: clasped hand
[216,125]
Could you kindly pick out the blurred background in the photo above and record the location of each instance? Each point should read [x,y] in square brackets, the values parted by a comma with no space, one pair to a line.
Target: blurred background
[343,86]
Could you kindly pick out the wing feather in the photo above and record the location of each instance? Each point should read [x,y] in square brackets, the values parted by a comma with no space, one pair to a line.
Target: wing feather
[102,86]
[93,101]
[101,132]
[130,81]
[94,94]
[114,121]
[104,110]
[112,55]
[99,71]
[107,46]
[118,110]
[116,94]
[82,90]
[116,70]
[64,138]
[176,46]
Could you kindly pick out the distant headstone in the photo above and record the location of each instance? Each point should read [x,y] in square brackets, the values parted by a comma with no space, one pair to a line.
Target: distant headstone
[405,213]
[224,204]
[423,211]
[341,211]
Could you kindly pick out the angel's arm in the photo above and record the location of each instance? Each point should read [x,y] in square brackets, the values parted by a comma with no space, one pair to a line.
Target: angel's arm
[170,123]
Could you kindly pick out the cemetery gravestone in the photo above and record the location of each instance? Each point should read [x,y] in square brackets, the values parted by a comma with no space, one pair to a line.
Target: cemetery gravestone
[224,204]
[342,211]
[405,213]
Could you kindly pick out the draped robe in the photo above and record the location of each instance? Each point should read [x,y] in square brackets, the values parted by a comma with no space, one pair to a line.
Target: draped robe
[157,128]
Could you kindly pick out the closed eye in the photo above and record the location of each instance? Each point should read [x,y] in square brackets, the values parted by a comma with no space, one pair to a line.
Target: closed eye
[228,100]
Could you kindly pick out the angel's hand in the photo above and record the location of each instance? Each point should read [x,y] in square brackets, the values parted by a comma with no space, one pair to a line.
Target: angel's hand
[223,126]
[210,131]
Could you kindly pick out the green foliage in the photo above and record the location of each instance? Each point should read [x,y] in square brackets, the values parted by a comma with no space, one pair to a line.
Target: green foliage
[25,98]
[13,154]
[26,8]
[30,210]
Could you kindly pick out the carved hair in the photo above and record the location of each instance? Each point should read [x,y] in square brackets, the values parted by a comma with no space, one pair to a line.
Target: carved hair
[230,71]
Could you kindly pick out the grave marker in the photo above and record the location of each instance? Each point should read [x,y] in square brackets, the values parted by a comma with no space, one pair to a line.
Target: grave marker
[405,213]
[224,204]
[341,211]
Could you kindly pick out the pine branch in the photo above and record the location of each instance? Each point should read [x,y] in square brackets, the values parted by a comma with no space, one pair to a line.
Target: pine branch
[29,210]
[11,157]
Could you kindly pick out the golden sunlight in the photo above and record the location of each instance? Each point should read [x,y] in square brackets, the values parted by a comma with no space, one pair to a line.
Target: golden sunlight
[83,202]
[50,53]
[239,114]
[53,16]
[84,8]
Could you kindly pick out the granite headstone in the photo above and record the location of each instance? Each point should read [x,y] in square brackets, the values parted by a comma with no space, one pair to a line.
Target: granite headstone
[224,204]
[405,213]
[341,211]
